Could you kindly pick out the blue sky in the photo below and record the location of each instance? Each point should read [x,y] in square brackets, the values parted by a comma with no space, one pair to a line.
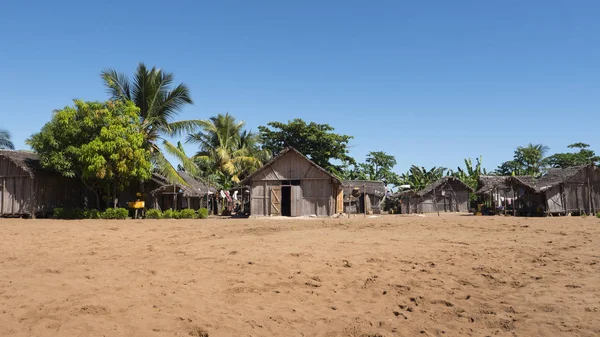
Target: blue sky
[431,82]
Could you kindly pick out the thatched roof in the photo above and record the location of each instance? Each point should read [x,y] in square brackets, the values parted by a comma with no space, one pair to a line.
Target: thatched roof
[249,178]
[489,183]
[440,183]
[25,160]
[405,193]
[195,188]
[367,186]
[553,177]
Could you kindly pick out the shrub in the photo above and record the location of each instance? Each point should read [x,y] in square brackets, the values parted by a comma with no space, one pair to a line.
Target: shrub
[203,213]
[91,214]
[115,213]
[598,215]
[154,214]
[69,213]
[187,214]
[169,214]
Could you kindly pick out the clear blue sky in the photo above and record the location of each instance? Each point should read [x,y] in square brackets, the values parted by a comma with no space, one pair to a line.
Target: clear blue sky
[431,82]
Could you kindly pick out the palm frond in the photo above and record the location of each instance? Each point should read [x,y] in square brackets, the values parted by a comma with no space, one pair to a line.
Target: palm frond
[164,167]
[188,164]
[117,84]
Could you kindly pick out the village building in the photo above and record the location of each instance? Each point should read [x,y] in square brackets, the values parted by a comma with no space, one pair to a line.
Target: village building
[193,194]
[363,196]
[561,191]
[447,194]
[292,185]
[29,190]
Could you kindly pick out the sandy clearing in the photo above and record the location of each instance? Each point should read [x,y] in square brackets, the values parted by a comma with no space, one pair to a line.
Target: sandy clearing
[388,276]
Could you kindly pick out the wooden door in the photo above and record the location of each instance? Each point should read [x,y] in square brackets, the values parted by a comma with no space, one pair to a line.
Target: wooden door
[296,200]
[275,200]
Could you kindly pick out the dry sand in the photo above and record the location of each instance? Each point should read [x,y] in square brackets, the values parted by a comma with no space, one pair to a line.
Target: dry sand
[389,276]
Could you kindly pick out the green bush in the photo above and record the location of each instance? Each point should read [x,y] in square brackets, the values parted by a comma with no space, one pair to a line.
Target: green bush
[91,214]
[202,213]
[187,214]
[170,214]
[70,213]
[115,213]
[154,214]
[598,215]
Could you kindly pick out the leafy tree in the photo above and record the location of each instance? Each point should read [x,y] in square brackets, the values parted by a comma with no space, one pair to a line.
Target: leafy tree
[419,177]
[99,143]
[378,166]
[5,140]
[470,174]
[158,105]
[316,141]
[583,157]
[226,150]
[528,160]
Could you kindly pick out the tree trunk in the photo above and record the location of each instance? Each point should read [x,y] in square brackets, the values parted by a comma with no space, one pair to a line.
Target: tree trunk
[115,200]
[93,191]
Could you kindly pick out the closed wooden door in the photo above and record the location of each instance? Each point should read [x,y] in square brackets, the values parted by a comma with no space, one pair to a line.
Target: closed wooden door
[276,201]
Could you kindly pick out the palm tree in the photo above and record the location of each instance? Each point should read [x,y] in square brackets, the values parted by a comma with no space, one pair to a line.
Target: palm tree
[5,142]
[532,158]
[226,150]
[151,92]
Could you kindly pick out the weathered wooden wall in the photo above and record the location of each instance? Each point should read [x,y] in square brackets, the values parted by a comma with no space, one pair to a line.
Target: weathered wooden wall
[580,193]
[21,194]
[316,193]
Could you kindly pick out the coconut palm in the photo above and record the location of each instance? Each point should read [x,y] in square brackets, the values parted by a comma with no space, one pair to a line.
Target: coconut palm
[151,92]
[5,142]
[419,177]
[226,149]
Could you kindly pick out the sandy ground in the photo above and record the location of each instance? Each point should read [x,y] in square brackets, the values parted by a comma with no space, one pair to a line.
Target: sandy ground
[389,276]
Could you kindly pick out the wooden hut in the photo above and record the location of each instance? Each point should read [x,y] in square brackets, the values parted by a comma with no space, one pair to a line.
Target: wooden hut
[292,185]
[29,190]
[562,191]
[500,194]
[447,194]
[194,195]
[363,196]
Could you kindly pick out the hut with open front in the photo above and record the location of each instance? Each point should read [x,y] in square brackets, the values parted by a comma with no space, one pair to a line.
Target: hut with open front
[363,196]
[176,196]
[292,185]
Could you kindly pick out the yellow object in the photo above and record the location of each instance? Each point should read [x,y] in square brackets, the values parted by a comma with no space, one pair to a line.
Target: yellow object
[137,204]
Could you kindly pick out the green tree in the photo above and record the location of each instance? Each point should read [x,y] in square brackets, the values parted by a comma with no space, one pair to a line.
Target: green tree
[316,141]
[378,166]
[419,177]
[527,160]
[226,150]
[5,140]
[583,157]
[158,104]
[471,173]
[99,143]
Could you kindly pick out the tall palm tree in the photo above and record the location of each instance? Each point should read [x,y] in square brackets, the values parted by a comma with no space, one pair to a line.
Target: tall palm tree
[532,158]
[5,142]
[151,92]
[226,149]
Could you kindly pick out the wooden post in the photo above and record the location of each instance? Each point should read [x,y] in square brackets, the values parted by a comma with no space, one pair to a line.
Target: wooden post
[364,200]
[589,197]
[188,202]
[505,203]
[3,192]
[33,198]
[577,199]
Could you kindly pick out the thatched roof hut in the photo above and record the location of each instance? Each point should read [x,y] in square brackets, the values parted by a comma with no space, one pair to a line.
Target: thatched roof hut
[27,189]
[178,196]
[447,194]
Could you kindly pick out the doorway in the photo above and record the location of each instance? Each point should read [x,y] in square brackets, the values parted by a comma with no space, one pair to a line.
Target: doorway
[286,200]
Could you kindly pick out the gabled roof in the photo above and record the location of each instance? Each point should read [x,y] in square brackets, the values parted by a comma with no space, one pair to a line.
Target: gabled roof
[195,188]
[439,183]
[280,155]
[488,183]
[26,160]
